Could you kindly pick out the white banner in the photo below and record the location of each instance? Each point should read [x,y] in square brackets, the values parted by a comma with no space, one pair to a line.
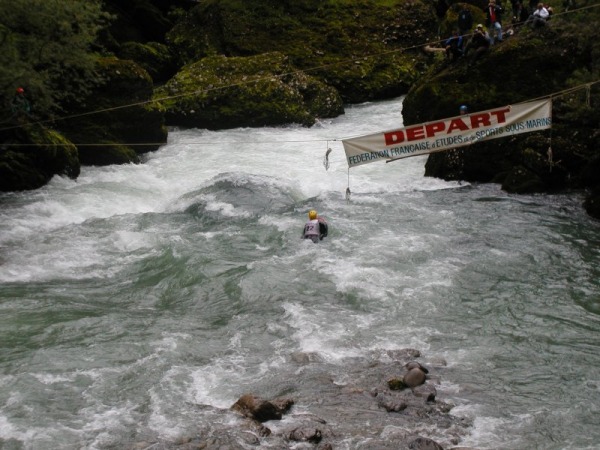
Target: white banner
[450,133]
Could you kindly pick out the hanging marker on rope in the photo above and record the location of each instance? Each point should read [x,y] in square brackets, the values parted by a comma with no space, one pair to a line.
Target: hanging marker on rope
[326,159]
[348,193]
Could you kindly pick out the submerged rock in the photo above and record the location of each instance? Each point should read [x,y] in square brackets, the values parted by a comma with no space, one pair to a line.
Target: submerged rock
[313,435]
[422,443]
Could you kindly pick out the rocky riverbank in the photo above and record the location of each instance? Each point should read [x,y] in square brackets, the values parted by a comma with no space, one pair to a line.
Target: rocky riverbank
[387,401]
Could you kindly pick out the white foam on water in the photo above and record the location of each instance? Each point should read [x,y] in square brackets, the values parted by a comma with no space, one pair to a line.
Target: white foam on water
[317,333]
[105,426]
[226,209]
[383,268]
[485,433]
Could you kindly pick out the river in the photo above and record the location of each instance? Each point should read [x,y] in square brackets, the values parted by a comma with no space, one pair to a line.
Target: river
[139,302]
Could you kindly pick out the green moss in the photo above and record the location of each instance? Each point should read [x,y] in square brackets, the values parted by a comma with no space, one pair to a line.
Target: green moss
[153,57]
[324,37]
[397,384]
[40,154]
[221,92]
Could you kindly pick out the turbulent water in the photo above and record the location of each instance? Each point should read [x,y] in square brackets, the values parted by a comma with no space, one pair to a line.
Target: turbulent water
[139,302]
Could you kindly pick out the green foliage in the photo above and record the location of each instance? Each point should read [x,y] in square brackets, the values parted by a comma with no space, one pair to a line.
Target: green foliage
[362,48]
[45,47]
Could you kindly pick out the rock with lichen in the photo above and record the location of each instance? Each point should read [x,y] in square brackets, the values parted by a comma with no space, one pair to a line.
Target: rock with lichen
[218,92]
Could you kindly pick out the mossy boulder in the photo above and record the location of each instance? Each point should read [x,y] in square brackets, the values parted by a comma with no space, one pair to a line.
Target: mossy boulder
[531,64]
[154,57]
[362,48]
[31,155]
[117,121]
[264,90]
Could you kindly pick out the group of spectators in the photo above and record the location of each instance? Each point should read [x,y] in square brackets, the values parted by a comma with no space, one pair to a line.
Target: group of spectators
[535,15]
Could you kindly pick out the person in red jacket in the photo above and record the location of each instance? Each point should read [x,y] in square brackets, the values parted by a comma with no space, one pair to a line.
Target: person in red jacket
[493,13]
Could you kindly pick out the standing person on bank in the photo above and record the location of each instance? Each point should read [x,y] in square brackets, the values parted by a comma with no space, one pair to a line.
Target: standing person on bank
[19,105]
[493,13]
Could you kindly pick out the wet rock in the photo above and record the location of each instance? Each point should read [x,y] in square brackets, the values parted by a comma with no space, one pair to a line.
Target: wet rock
[415,365]
[305,357]
[397,384]
[313,435]
[438,362]
[261,410]
[391,403]
[422,443]
[414,377]
[403,354]
[592,203]
[283,405]
[426,391]
[334,413]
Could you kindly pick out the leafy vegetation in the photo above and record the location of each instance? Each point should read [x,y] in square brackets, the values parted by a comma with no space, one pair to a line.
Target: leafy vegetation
[46,47]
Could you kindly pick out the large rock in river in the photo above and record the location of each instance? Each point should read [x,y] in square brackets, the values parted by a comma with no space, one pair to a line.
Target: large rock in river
[263,90]
[117,121]
[30,155]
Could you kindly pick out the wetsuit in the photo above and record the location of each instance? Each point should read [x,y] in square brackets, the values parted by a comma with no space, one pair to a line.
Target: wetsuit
[315,230]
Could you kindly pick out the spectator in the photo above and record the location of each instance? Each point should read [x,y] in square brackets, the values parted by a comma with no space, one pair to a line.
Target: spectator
[494,20]
[454,46]
[539,16]
[517,6]
[20,106]
[465,21]
[479,43]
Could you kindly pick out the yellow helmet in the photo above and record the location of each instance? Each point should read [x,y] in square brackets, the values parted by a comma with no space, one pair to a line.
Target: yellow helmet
[312,214]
